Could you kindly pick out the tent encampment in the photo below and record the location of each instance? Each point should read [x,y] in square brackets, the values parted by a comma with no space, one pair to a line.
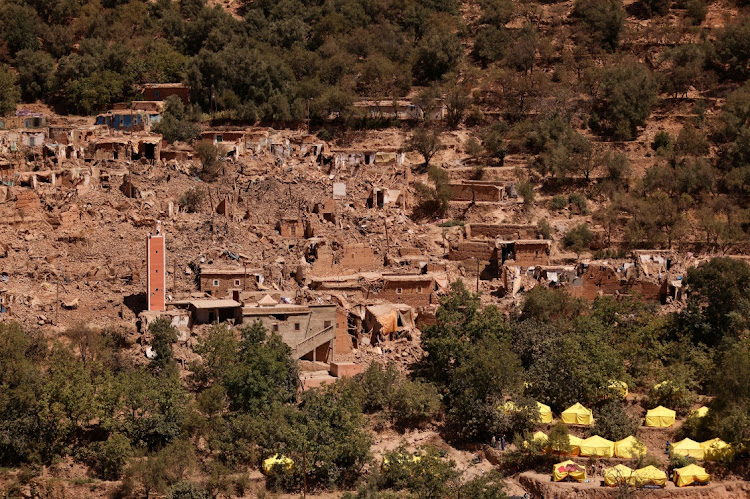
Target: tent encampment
[687,448]
[545,413]
[629,448]
[617,474]
[566,469]
[597,446]
[716,448]
[648,476]
[575,445]
[660,417]
[577,414]
[277,460]
[690,474]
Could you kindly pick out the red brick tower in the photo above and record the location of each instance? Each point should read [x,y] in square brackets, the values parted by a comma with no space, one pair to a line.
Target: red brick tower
[156,265]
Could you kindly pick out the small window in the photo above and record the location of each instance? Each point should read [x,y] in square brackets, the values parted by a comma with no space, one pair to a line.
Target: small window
[399,291]
[236,282]
[296,326]
[156,270]
[326,324]
[216,283]
[419,289]
[219,138]
[275,328]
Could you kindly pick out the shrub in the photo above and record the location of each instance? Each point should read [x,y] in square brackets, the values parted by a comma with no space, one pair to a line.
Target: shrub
[211,161]
[558,202]
[191,199]
[617,113]
[187,490]
[110,457]
[526,191]
[579,202]
[662,141]
[415,403]
[545,229]
[603,20]
[613,423]
[578,238]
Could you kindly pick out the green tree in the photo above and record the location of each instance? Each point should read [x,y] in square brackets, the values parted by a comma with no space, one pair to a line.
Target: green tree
[211,161]
[426,142]
[438,53]
[613,423]
[719,300]
[35,74]
[175,123]
[434,200]
[603,22]
[264,372]
[652,8]
[733,49]
[111,456]
[163,335]
[578,238]
[616,113]
[559,439]
[187,490]
[9,92]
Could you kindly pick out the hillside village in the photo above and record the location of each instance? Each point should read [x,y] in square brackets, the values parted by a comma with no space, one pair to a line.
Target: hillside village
[393,249]
[297,228]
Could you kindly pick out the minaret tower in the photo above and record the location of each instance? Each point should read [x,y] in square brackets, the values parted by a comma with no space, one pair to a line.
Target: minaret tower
[156,265]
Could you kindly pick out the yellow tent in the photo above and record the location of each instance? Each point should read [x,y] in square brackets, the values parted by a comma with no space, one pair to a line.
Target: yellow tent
[629,448]
[648,476]
[545,413]
[716,448]
[660,417]
[690,474]
[568,469]
[575,445]
[597,446]
[540,437]
[619,473]
[277,460]
[618,387]
[688,448]
[577,414]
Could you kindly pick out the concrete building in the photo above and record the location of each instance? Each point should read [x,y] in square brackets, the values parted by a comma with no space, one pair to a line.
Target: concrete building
[156,275]
[309,330]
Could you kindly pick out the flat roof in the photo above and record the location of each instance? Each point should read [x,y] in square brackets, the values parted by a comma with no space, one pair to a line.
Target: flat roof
[281,308]
[203,304]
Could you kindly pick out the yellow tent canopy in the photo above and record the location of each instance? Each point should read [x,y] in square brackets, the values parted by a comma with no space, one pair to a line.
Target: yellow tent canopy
[618,387]
[575,445]
[618,473]
[597,446]
[568,469]
[629,448]
[700,412]
[690,474]
[545,413]
[577,414]
[688,448]
[277,460]
[716,448]
[648,476]
[660,417]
